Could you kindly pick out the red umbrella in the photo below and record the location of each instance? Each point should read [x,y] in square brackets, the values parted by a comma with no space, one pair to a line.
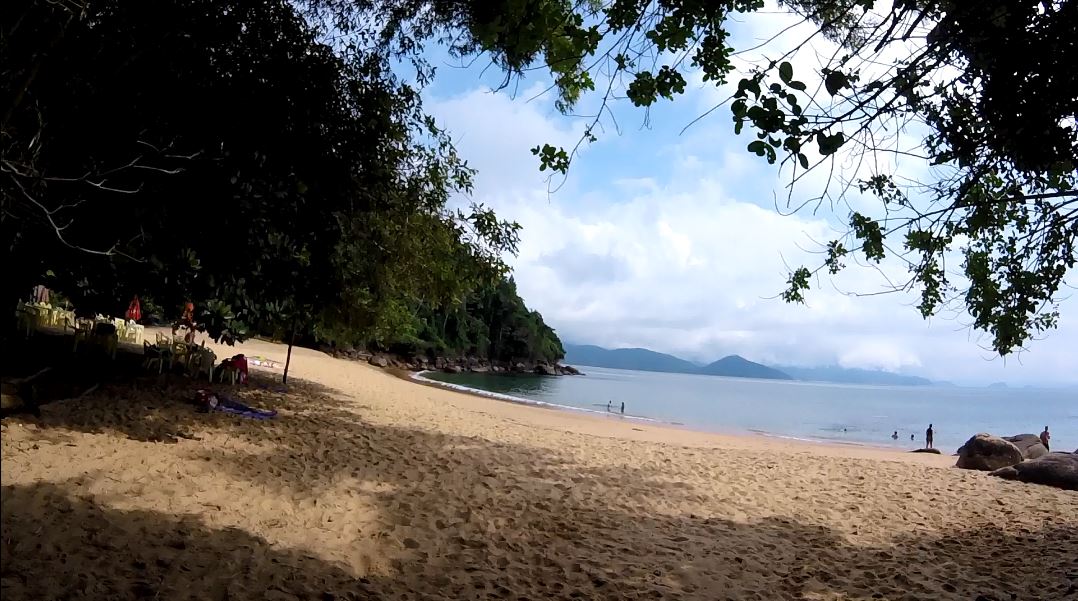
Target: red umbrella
[134,310]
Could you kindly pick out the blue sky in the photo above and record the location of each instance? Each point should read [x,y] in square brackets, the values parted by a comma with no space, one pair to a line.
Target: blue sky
[672,241]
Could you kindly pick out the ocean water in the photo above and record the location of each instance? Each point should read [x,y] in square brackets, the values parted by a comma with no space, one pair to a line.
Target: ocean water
[853,414]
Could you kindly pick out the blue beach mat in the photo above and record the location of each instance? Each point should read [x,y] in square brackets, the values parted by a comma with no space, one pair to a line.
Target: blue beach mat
[210,401]
[227,405]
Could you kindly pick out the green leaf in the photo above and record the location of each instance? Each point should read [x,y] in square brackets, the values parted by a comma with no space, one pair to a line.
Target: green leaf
[797,284]
[868,231]
[834,81]
[829,144]
[786,72]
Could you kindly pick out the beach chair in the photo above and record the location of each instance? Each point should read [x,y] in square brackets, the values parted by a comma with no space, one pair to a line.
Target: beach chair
[155,355]
[82,332]
[26,316]
[229,372]
[132,333]
[234,369]
[202,360]
[179,353]
[121,328]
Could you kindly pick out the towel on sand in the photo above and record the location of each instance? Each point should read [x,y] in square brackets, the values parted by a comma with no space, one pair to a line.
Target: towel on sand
[210,401]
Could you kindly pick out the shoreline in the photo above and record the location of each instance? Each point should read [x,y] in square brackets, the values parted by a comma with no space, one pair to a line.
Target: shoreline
[632,428]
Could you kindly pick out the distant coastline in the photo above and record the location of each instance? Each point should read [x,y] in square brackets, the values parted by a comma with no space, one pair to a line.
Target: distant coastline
[732,366]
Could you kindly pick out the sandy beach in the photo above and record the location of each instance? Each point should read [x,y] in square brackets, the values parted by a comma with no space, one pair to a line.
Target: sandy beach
[367,486]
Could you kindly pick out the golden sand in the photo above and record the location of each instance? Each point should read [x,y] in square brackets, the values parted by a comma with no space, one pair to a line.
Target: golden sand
[367,486]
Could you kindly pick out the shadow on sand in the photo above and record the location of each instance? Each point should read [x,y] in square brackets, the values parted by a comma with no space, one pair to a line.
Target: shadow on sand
[538,527]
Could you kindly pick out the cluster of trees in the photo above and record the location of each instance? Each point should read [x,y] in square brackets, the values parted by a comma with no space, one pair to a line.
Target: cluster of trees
[236,155]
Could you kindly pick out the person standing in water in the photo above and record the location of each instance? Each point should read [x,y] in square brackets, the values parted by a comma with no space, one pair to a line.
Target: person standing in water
[928,437]
[1045,437]
[623,407]
[895,435]
[608,406]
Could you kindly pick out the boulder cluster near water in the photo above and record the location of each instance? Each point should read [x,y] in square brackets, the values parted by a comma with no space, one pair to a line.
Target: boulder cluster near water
[1021,457]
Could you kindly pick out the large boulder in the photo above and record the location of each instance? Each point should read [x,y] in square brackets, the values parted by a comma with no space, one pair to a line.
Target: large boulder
[1054,469]
[986,453]
[378,361]
[545,370]
[1029,444]
[10,397]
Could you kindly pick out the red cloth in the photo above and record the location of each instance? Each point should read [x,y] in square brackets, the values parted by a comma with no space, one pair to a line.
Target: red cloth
[134,310]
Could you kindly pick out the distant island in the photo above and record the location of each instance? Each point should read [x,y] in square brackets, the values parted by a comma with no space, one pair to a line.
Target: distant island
[638,359]
[736,366]
[731,366]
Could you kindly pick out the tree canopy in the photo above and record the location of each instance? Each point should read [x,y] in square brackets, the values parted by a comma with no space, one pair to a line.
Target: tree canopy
[230,154]
[991,83]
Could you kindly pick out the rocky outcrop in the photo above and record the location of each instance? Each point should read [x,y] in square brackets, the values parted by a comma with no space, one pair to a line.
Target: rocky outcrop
[451,365]
[378,361]
[1054,469]
[986,453]
[1029,444]
[543,369]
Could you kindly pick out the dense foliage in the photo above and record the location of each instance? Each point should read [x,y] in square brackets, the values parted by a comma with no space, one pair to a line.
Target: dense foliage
[224,153]
[491,322]
[991,82]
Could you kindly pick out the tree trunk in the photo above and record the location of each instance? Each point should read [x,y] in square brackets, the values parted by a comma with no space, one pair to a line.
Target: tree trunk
[288,357]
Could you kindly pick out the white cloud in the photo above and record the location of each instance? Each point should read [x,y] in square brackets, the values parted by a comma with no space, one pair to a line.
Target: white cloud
[681,250]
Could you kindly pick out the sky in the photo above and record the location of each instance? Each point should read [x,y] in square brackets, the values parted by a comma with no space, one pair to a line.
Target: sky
[676,242]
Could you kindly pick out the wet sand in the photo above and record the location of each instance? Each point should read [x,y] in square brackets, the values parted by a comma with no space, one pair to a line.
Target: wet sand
[368,486]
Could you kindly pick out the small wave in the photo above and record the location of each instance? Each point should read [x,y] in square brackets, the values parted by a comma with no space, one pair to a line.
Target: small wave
[828,441]
[788,437]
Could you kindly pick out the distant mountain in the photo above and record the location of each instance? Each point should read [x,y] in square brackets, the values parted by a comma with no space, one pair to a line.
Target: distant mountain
[640,359]
[734,366]
[843,375]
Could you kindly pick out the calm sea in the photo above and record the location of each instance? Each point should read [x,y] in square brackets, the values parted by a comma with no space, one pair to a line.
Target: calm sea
[802,410]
